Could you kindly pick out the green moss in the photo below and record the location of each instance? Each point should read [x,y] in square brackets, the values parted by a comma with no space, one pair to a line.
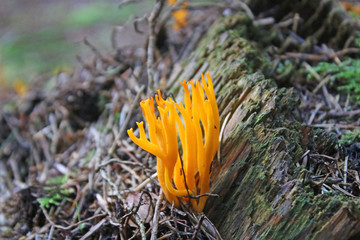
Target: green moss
[102,101]
[346,74]
[229,41]
[266,234]
[54,194]
[350,137]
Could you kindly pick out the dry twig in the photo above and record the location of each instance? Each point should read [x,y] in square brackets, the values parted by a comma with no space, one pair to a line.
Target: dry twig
[151,44]
[127,119]
[156,217]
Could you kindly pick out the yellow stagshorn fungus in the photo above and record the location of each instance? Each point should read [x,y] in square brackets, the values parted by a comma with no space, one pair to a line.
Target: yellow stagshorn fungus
[188,174]
[180,16]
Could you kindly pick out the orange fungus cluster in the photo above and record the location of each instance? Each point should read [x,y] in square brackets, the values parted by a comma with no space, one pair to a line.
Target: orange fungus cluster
[350,7]
[183,173]
[180,16]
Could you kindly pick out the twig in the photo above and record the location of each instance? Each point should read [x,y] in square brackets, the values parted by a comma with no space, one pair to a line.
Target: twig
[51,233]
[93,229]
[72,225]
[156,217]
[151,44]
[136,24]
[304,56]
[82,63]
[198,226]
[319,58]
[175,221]
[207,227]
[264,21]
[93,48]
[141,226]
[115,160]
[312,71]
[23,143]
[305,154]
[151,206]
[55,136]
[246,8]
[182,169]
[345,114]
[344,52]
[49,160]
[295,22]
[127,2]
[327,96]
[325,125]
[198,32]
[131,171]
[134,235]
[132,107]
[132,157]
[304,158]
[323,155]
[102,203]
[346,169]
[199,5]
[321,83]
[166,236]
[144,183]
[313,114]
[13,161]
[327,180]
[127,119]
[112,184]
[201,195]
[343,191]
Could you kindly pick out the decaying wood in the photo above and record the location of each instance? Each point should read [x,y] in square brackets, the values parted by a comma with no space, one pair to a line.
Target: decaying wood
[264,192]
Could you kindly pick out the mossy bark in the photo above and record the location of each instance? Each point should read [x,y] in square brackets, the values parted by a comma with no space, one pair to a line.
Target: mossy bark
[262,187]
[322,21]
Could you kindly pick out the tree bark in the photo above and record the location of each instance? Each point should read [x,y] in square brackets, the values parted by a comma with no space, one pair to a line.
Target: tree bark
[264,190]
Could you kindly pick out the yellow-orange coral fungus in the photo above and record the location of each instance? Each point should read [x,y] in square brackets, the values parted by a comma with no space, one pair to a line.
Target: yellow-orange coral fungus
[350,7]
[180,16]
[20,87]
[186,172]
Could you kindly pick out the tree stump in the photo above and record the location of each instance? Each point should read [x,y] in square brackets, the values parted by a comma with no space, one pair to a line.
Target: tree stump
[265,191]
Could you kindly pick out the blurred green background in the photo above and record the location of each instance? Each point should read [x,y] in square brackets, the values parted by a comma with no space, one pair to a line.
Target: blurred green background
[41,37]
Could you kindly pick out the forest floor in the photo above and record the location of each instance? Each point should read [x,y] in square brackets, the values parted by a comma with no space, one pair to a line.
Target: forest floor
[69,171]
